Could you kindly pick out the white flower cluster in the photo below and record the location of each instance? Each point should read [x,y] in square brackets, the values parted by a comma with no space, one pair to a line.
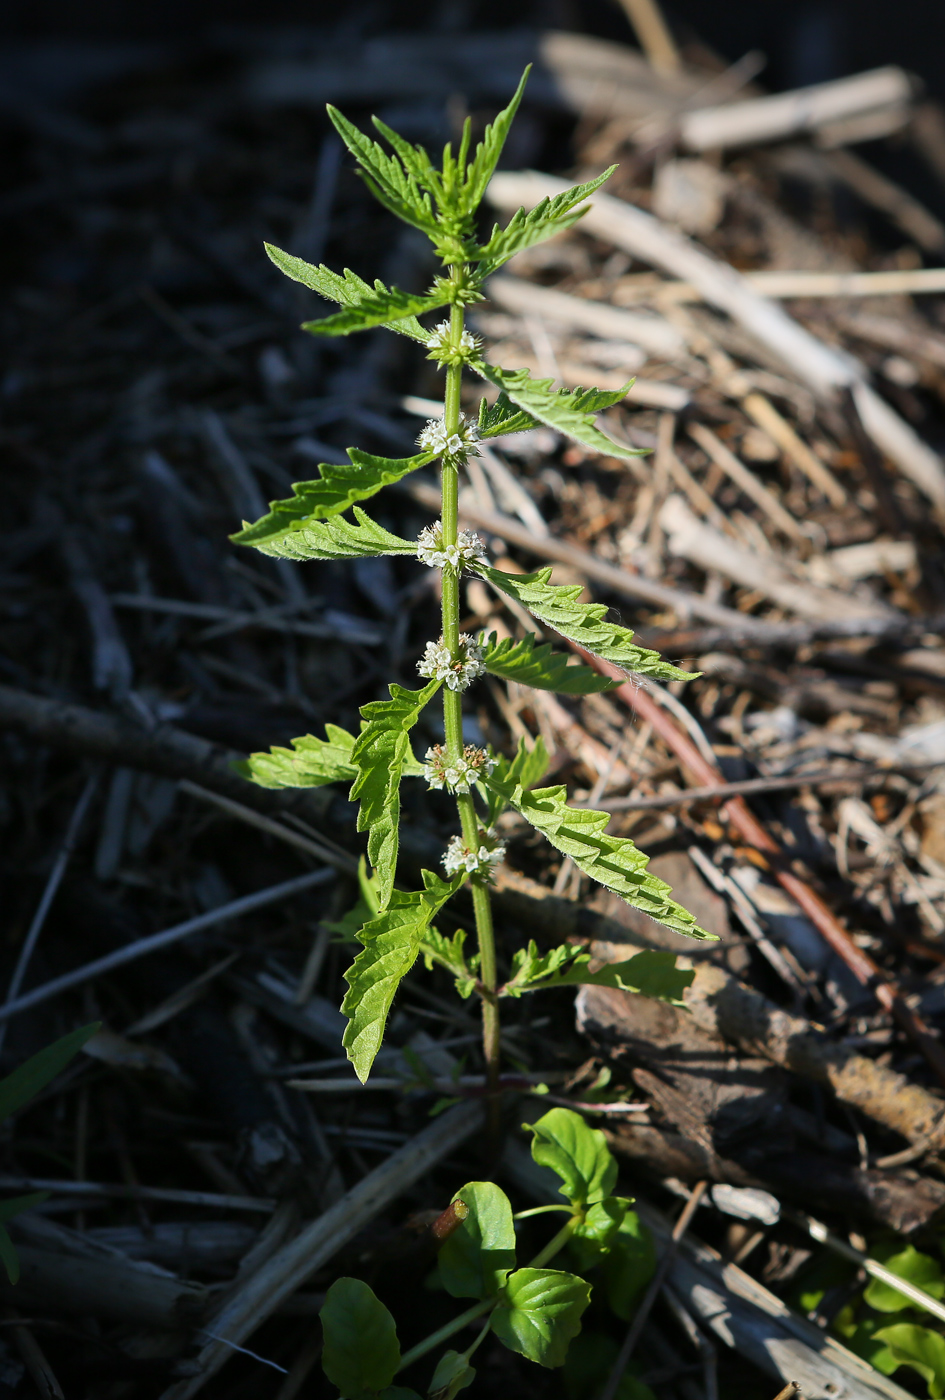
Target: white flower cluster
[432,551]
[440,339]
[459,775]
[462,443]
[481,862]
[438,663]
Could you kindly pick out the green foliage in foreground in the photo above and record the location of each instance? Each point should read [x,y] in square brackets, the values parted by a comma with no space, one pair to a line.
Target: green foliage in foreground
[533,1309]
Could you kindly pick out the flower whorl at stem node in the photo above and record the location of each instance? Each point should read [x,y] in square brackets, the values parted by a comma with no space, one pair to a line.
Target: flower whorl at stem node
[481,862]
[444,352]
[459,445]
[459,775]
[432,551]
[457,669]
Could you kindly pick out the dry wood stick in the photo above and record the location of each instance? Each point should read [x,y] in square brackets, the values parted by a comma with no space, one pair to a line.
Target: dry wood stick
[819,366]
[751,830]
[158,941]
[721,792]
[281,1275]
[653,34]
[726,460]
[652,1293]
[793,446]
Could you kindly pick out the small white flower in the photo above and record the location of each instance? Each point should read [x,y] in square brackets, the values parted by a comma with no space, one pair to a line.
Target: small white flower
[438,663]
[482,862]
[459,775]
[431,550]
[440,339]
[462,443]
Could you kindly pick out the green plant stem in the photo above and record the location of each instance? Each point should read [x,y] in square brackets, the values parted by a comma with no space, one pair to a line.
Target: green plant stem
[453,731]
[449,1329]
[443,1334]
[557,1242]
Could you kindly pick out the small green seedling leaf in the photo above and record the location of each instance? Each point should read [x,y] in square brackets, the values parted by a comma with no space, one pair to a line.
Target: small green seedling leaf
[386,177]
[597,1231]
[503,417]
[613,861]
[475,1260]
[336,538]
[565,410]
[24,1083]
[379,755]
[919,1348]
[578,1153]
[532,662]
[448,953]
[379,309]
[539,1313]
[361,1351]
[629,1265]
[652,973]
[486,156]
[310,762]
[391,947]
[908,1264]
[549,217]
[335,489]
[558,606]
[453,1374]
[527,767]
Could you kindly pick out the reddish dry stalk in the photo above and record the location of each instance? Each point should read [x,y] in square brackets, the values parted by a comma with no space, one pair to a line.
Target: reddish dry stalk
[751,830]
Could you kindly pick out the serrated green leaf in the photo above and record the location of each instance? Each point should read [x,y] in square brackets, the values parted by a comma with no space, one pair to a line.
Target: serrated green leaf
[336,538]
[558,606]
[378,309]
[908,1264]
[547,218]
[24,1083]
[540,1312]
[503,417]
[613,861]
[486,156]
[532,662]
[629,1265]
[337,487]
[919,1348]
[565,410]
[651,973]
[475,1260]
[379,754]
[386,177]
[578,1153]
[310,762]
[527,767]
[448,953]
[361,1352]
[348,290]
[453,1374]
[595,1233]
[391,947]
